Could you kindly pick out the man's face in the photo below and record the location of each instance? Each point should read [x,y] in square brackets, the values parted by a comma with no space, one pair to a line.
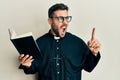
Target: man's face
[59,26]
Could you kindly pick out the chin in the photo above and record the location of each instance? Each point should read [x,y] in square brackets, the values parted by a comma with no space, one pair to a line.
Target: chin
[62,35]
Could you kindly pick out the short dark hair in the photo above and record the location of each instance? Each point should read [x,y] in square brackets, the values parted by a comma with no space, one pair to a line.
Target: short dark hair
[55,7]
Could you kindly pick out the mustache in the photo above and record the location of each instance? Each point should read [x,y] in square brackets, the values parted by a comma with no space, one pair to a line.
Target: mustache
[64,25]
[61,25]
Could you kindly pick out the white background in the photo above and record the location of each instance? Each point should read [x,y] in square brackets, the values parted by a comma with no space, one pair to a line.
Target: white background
[31,15]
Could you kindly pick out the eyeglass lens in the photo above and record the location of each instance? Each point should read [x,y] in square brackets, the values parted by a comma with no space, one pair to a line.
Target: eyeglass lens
[67,18]
[61,18]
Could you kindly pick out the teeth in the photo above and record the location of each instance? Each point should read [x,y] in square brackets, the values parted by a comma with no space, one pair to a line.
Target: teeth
[64,27]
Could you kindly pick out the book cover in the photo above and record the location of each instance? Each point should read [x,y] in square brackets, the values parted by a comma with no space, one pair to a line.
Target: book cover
[25,44]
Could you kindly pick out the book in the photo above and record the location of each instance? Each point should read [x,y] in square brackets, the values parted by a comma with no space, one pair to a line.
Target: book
[25,44]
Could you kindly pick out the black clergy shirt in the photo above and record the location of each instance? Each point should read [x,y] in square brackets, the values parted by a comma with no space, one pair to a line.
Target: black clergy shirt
[62,58]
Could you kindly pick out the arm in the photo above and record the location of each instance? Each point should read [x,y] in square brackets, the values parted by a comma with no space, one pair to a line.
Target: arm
[93,54]
[91,61]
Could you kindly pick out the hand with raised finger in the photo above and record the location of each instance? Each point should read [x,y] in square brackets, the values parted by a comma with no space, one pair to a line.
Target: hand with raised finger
[93,44]
[25,60]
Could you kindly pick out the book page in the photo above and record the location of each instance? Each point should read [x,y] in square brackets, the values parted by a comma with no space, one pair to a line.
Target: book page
[13,35]
[23,35]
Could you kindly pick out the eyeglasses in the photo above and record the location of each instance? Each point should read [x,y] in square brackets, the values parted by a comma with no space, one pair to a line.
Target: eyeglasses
[61,18]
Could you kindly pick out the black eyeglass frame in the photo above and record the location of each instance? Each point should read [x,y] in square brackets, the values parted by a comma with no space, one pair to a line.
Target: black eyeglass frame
[61,18]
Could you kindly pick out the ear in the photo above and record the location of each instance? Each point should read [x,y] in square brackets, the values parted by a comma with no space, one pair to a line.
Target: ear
[49,21]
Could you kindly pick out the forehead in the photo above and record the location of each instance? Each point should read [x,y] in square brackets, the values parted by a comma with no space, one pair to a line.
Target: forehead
[61,13]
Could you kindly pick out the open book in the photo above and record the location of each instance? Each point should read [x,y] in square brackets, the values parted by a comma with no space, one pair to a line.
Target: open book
[25,44]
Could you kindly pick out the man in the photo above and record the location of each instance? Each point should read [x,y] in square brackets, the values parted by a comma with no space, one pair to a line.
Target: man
[64,55]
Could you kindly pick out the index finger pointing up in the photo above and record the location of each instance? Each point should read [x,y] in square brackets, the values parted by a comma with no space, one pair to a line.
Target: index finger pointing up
[93,34]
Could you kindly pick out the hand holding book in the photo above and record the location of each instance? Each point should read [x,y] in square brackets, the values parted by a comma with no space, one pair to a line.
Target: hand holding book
[25,60]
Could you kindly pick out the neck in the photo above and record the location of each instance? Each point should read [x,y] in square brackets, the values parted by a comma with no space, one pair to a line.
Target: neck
[53,33]
[55,36]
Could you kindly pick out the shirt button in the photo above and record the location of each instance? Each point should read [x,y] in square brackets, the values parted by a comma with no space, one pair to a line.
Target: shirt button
[57,40]
[58,72]
[58,64]
[57,48]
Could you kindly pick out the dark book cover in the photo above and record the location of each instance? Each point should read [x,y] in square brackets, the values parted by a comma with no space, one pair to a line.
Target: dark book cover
[26,45]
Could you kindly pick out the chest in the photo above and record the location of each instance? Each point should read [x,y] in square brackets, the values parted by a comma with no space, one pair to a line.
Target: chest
[71,51]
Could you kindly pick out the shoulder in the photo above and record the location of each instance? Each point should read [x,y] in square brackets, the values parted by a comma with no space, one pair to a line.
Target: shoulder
[77,42]
[44,39]
[73,37]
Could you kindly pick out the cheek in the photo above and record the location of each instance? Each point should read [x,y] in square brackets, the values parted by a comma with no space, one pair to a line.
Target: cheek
[58,25]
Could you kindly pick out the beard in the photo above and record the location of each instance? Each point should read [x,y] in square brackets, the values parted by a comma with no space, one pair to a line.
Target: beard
[55,30]
[59,32]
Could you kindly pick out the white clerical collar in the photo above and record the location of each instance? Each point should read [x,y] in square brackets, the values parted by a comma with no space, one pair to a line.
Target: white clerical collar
[56,37]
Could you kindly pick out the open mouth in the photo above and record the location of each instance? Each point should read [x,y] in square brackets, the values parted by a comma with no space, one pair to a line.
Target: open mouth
[63,30]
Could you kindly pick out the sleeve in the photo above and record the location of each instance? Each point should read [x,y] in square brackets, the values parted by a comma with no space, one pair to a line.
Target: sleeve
[91,61]
[35,67]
